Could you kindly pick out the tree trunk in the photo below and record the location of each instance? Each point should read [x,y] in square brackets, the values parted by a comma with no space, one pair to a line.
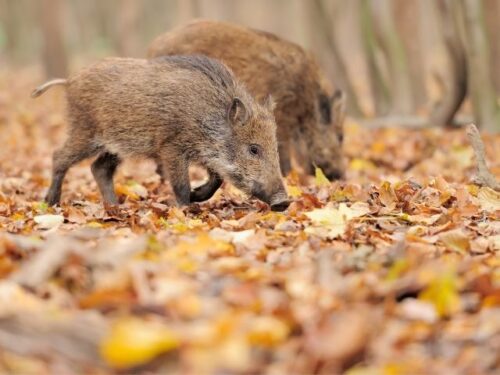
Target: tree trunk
[7,18]
[407,16]
[391,45]
[319,16]
[482,92]
[492,15]
[456,83]
[54,51]
[187,10]
[378,85]
[127,43]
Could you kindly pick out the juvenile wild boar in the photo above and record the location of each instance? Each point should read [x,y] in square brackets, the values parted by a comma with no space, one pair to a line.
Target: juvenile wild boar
[176,110]
[309,114]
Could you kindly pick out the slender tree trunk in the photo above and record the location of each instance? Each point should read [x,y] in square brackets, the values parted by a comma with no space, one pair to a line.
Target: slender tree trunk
[407,16]
[319,16]
[54,51]
[390,43]
[378,85]
[449,13]
[127,43]
[8,17]
[492,15]
[186,10]
[81,13]
[482,92]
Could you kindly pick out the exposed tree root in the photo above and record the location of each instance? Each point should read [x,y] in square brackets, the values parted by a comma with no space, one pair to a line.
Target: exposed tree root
[483,176]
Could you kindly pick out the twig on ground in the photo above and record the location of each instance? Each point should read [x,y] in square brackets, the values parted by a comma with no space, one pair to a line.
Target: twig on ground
[483,176]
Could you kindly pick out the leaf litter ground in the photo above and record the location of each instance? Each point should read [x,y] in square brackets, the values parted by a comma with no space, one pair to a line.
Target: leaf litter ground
[394,271]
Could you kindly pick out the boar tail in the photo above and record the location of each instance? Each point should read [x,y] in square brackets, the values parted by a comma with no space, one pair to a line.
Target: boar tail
[42,88]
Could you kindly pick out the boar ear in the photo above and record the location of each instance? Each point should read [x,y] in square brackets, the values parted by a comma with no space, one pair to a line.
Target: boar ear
[338,107]
[269,103]
[238,113]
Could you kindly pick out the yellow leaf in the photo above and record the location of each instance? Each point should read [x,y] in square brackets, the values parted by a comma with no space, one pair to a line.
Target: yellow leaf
[489,199]
[361,165]
[138,189]
[462,155]
[397,268]
[40,207]
[132,342]
[124,190]
[186,255]
[331,222]
[18,216]
[442,293]
[420,219]
[294,191]
[378,147]
[267,331]
[320,178]
[473,190]
[132,190]
[94,224]
[494,242]
[180,226]
[456,240]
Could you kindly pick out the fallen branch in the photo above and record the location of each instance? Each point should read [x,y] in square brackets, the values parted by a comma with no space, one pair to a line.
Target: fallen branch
[43,265]
[72,338]
[483,176]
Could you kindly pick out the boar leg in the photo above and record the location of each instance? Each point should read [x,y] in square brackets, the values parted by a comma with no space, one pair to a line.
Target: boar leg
[103,169]
[177,170]
[284,153]
[208,189]
[73,151]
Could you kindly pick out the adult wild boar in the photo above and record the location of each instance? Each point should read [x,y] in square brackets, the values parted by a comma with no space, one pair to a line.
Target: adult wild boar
[176,110]
[308,113]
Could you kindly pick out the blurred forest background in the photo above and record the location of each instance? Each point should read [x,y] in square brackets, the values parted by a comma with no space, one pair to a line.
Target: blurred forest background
[401,62]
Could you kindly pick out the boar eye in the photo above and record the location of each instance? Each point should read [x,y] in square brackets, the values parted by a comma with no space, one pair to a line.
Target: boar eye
[254,150]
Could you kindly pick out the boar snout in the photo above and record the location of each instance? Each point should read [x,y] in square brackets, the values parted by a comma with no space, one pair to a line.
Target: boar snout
[277,199]
[333,173]
[280,206]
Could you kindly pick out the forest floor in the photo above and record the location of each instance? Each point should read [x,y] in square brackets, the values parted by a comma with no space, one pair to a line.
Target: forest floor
[394,271]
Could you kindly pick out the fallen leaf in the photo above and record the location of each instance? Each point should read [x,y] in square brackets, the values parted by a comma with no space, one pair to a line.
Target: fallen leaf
[132,190]
[415,309]
[489,199]
[267,331]
[48,221]
[357,164]
[320,178]
[456,240]
[334,220]
[442,292]
[294,191]
[132,342]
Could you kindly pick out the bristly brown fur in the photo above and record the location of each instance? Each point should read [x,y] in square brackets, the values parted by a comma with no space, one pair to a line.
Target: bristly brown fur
[309,115]
[176,110]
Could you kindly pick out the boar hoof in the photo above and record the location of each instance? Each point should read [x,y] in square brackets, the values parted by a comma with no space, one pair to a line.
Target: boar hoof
[51,199]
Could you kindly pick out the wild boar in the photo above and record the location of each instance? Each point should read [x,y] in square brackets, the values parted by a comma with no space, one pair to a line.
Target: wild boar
[176,110]
[309,114]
